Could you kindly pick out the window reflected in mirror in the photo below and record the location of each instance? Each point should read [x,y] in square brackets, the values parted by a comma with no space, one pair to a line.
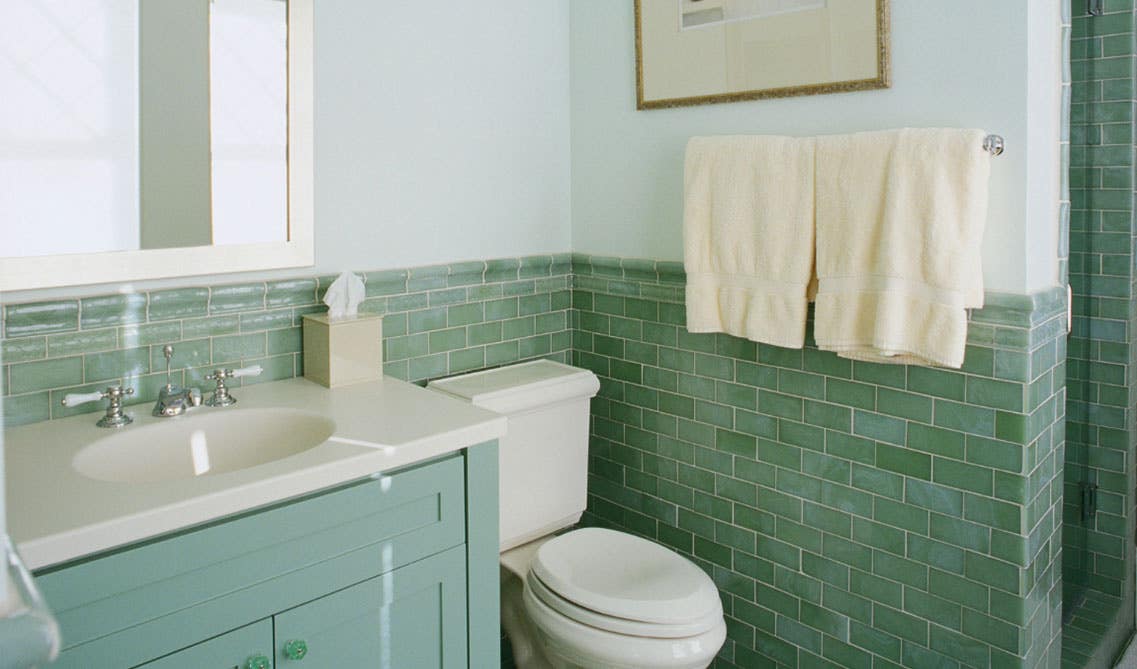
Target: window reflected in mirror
[141,125]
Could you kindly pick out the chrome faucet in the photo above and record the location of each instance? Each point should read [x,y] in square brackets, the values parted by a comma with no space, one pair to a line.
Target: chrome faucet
[221,396]
[174,400]
[115,416]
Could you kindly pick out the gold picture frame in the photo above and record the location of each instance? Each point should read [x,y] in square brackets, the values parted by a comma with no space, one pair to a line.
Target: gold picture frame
[882,78]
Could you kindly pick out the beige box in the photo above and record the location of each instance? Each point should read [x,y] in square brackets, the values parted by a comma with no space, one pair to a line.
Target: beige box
[343,351]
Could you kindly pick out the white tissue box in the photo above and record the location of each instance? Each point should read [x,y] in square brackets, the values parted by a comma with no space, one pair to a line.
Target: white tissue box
[343,351]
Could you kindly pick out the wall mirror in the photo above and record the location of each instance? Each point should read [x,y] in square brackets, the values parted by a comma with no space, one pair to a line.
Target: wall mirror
[691,52]
[143,139]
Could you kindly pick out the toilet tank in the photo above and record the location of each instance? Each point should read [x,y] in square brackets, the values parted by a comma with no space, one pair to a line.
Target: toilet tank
[544,453]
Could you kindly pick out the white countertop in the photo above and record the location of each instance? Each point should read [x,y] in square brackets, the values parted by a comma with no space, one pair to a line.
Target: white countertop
[55,514]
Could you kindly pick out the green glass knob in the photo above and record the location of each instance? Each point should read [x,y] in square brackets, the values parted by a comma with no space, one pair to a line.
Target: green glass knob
[295,649]
[258,661]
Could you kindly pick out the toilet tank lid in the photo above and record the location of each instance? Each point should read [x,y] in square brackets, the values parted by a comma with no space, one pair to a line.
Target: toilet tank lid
[521,387]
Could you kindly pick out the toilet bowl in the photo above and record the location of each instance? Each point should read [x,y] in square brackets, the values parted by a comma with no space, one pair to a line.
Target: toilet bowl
[599,598]
[589,597]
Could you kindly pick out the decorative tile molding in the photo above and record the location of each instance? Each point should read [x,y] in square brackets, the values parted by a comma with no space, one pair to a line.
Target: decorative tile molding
[852,514]
[438,320]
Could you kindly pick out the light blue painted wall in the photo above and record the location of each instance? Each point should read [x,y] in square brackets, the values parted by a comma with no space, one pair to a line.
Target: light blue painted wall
[959,63]
[442,131]
[441,134]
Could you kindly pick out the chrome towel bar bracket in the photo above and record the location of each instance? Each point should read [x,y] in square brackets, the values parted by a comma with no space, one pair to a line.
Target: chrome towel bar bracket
[993,144]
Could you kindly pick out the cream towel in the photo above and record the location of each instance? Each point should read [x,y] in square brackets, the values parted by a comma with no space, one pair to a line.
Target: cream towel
[748,236]
[900,217]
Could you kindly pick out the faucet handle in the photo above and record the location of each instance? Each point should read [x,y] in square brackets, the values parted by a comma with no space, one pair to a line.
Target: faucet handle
[115,417]
[221,396]
[114,393]
[75,399]
[221,374]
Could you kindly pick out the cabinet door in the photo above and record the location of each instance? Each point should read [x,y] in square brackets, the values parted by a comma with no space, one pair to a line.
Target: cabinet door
[248,647]
[411,617]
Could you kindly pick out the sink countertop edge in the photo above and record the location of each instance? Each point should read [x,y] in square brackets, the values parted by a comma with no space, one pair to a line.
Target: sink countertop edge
[388,436]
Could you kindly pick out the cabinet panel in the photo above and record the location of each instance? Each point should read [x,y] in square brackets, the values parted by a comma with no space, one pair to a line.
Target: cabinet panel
[139,603]
[228,651]
[412,617]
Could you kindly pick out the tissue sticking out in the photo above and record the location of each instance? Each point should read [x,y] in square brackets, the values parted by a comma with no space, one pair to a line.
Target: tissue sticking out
[343,296]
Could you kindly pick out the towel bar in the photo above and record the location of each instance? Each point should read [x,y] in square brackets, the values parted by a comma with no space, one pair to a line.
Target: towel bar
[993,144]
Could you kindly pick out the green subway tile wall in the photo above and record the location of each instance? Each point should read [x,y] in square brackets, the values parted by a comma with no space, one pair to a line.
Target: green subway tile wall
[1098,549]
[437,320]
[852,514]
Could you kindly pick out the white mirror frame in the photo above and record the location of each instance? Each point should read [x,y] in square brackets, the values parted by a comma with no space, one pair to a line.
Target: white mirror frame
[298,251]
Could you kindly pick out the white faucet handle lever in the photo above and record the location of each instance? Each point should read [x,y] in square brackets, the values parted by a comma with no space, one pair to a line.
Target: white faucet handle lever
[253,370]
[75,399]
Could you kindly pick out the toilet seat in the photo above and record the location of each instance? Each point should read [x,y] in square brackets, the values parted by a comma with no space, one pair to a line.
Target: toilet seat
[579,644]
[624,584]
[535,588]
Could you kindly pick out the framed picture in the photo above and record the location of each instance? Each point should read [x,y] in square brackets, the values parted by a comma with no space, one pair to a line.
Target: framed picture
[693,52]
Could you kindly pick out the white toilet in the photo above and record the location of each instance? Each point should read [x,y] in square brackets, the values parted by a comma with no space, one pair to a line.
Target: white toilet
[590,597]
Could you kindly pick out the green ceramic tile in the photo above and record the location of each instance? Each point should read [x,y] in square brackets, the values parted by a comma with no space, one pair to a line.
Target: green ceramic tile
[955,474]
[965,418]
[235,348]
[191,353]
[212,326]
[904,405]
[934,497]
[936,441]
[465,273]
[503,269]
[426,320]
[86,341]
[893,376]
[37,318]
[904,461]
[534,266]
[27,377]
[503,353]
[848,393]
[288,340]
[448,296]
[178,303]
[937,383]
[407,302]
[447,340]
[120,364]
[879,427]
[995,394]
[22,349]
[467,359]
[293,292]
[427,278]
[144,334]
[255,321]
[533,304]
[388,282]
[534,346]
[112,310]
[23,409]
[239,297]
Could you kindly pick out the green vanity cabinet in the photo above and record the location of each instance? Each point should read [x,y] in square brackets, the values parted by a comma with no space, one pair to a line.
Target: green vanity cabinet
[396,570]
[249,647]
[411,617]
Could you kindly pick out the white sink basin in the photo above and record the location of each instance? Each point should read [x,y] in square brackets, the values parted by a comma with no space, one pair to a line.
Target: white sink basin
[208,441]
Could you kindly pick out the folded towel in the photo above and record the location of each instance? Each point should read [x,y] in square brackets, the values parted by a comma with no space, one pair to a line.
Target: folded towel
[900,217]
[748,236]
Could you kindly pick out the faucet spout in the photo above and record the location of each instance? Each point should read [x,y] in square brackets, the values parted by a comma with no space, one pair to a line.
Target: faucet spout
[175,401]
